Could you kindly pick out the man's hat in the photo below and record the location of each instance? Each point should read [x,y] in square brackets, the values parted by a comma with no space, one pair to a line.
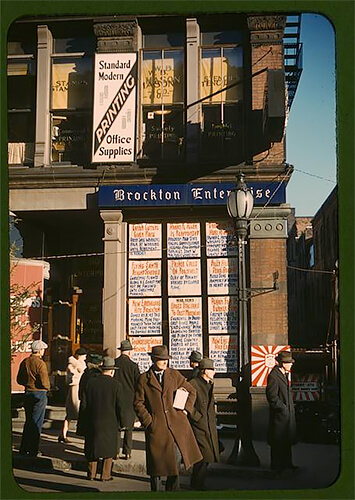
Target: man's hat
[160,352]
[37,345]
[125,345]
[80,352]
[195,356]
[284,357]
[206,364]
[108,364]
[95,358]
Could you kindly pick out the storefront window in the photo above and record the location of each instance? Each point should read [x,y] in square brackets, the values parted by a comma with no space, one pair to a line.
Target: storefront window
[222,126]
[71,113]
[162,98]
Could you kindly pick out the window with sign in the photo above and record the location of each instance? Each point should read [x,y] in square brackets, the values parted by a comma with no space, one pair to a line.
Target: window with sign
[21,94]
[162,70]
[221,88]
[71,95]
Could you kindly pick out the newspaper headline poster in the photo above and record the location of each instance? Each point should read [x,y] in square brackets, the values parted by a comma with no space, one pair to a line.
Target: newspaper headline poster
[145,241]
[220,239]
[184,277]
[114,113]
[185,330]
[144,316]
[144,278]
[222,314]
[222,276]
[141,347]
[224,352]
[183,240]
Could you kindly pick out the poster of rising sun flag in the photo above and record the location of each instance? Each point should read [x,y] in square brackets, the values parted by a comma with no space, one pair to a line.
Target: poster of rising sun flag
[263,361]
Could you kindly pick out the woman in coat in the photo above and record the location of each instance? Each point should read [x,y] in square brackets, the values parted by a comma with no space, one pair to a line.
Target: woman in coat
[168,432]
[282,421]
[75,369]
[203,422]
[100,419]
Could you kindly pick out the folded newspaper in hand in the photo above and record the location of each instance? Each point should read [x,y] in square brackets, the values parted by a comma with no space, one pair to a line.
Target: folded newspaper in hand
[180,399]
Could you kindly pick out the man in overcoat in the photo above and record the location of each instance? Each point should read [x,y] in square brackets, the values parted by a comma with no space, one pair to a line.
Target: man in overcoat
[282,421]
[203,422]
[127,375]
[194,358]
[169,437]
[99,419]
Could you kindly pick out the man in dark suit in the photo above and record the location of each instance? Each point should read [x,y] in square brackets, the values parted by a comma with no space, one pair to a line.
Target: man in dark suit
[127,375]
[194,358]
[99,419]
[282,422]
[203,422]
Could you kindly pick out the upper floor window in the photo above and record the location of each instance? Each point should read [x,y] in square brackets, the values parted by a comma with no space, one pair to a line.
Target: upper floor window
[21,93]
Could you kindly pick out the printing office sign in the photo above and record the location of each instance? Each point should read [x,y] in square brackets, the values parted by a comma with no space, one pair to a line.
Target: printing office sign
[114,118]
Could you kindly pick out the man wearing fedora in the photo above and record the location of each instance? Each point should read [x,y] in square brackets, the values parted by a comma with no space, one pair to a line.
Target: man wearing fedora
[203,422]
[100,419]
[127,375]
[194,358]
[169,437]
[282,421]
[33,374]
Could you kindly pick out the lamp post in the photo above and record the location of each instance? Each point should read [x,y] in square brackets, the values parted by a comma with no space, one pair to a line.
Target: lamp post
[240,205]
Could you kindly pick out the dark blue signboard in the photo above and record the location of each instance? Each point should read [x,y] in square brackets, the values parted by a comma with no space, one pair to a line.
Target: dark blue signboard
[169,195]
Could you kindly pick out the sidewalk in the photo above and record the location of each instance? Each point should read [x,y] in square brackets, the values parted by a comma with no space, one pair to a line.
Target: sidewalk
[319,463]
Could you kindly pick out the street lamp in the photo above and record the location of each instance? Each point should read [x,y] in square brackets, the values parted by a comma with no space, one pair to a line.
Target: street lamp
[240,205]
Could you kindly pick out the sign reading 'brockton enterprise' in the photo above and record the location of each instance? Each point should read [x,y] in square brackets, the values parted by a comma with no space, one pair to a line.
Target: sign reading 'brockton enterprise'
[167,195]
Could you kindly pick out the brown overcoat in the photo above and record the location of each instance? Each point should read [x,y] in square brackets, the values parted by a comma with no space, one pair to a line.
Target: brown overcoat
[165,425]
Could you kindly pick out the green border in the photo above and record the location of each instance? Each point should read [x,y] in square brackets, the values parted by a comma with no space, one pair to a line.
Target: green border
[341,14]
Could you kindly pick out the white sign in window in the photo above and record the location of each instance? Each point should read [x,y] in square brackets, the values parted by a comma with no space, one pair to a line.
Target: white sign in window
[183,240]
[184,277]
[222,314]
[114,115]
[145,241]
[142,346]
[144,278]
[185,330]
[224,352]
[144,316]
[222,276]
[220,241]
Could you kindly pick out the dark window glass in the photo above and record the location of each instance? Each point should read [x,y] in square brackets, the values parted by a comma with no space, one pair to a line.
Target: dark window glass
[163,132]
[160,40]
[71,138]
[83,44]
[20,127]
[21,88]
[72,36]
[221,37]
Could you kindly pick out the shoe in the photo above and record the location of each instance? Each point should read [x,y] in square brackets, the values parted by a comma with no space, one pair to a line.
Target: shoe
[62,439]
[108,479]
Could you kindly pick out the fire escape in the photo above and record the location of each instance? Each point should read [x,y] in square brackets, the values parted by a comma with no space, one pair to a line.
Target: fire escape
[292,56]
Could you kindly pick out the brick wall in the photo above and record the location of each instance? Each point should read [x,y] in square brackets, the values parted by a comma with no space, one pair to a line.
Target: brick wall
[269,311]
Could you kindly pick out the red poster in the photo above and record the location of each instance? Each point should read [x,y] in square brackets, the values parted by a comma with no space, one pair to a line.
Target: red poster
[263,361]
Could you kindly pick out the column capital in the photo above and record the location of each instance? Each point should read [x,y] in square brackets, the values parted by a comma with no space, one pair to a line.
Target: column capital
[117,36]
[112,220]
[266,29]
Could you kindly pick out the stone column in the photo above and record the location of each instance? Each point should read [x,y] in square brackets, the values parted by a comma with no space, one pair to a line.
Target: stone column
[42,148]
[193,114]
[115,278]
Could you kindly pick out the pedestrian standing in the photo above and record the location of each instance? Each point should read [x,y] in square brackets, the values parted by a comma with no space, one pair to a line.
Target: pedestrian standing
[75,369]
[169,437]
[99,420]
[203,422]
[128,375]
[194,358]
[33,374]
[93,362]
[282,421]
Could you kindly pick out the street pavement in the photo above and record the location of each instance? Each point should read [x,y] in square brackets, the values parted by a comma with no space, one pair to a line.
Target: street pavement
[62,467]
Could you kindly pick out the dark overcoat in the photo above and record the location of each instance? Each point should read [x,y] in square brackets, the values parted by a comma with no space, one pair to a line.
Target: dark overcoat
[194,373]
[164,424]
[203,420]
[99,417]
[128,375]
[282,421]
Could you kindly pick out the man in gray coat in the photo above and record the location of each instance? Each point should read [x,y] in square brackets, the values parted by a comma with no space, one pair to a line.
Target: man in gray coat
[282,421]
[203,422]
